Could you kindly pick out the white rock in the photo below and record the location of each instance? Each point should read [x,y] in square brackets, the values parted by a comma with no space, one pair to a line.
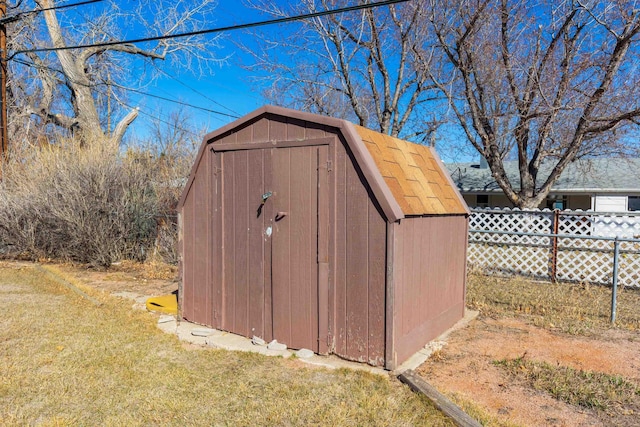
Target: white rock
[275,345]
[258,341]
[304,353]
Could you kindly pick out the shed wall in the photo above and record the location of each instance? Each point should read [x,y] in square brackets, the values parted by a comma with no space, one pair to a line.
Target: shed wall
[196,222]
[274,128]
[360,256]
[357,244]
[242,253]
[226,284]
[429,279]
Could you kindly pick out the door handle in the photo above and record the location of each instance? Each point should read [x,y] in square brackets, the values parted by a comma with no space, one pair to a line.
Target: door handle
[281,215]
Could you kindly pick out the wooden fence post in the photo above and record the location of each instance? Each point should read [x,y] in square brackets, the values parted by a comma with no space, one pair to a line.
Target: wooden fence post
[554,245]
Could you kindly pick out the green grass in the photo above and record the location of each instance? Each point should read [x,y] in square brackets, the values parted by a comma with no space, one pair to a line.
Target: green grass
[571,308]
[594,390]
[65,361]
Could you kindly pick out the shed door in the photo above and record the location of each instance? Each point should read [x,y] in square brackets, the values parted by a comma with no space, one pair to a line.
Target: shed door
[297,202]
[275,253]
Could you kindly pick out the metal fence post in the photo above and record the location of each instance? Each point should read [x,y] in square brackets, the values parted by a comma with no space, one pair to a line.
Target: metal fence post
[614,291]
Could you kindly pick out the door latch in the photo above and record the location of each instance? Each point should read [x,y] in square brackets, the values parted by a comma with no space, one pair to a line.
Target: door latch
[265,196]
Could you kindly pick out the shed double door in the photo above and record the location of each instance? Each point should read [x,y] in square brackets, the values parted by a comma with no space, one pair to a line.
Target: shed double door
[274,227]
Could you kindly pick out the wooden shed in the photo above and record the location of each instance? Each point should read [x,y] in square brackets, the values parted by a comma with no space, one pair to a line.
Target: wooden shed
[323,235]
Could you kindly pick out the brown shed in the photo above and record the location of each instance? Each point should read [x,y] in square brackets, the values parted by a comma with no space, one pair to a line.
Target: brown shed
[323,235]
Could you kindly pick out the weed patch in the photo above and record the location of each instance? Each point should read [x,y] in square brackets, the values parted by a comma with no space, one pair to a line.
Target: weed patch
[570,308]
[587,389]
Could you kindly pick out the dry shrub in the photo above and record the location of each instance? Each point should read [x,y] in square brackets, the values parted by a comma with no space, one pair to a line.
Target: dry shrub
[86,204]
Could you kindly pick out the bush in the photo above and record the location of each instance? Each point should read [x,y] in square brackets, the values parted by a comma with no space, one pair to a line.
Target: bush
[84,204]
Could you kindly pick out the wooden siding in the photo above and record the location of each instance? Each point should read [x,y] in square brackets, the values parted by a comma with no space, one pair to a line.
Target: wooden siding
[243,285]
[356,268]
[294,244]
[271,127]
[215,239]
[429,279]
[196,287]
[360,248]
[340,275]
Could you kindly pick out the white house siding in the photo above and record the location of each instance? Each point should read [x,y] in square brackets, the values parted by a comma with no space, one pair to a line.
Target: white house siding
[610,203]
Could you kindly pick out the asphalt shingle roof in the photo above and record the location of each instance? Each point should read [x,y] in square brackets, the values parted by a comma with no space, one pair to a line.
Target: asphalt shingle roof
[581,176]
[414,175]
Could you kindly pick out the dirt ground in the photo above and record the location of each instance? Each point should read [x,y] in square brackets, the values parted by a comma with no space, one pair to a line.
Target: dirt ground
[143,280]
[464,368]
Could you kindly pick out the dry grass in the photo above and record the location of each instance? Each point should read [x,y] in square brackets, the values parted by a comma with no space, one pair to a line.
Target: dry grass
[66,362]
[570,308]
[578,387]
[480,414]
[566,308]
[153,269]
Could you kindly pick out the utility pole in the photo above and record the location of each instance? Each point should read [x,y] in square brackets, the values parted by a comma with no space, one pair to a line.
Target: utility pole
[4,138]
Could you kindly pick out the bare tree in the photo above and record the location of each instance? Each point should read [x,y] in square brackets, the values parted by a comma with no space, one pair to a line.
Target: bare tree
[544,82]
[361,66]
[83,91]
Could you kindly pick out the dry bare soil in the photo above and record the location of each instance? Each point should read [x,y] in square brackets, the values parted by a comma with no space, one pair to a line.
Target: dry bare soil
[543,357]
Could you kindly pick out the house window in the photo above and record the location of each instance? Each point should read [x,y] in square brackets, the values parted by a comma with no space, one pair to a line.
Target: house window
[482,200]
[634,203]
[557,202]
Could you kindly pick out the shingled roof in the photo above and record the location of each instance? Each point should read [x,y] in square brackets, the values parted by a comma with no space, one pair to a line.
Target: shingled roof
[407,179]
[602,175]
[414,174]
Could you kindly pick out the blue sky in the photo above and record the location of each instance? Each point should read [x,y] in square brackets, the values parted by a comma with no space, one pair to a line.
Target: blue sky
[228,88]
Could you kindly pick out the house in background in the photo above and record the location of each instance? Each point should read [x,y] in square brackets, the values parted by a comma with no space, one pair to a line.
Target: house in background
[603,185]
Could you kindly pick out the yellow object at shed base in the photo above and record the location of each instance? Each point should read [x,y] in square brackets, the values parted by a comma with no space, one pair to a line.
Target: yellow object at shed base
[164,304]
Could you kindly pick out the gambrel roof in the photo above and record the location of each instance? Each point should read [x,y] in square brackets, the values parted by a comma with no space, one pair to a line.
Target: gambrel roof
[407,179]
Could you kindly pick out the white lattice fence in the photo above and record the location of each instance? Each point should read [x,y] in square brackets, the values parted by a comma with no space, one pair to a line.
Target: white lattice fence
[629,267]
[571,258]
[530,261]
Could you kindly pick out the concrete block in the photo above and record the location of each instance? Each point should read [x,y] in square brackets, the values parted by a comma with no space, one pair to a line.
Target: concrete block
[258,341]
[166,318]
[201,332]
[275,345]
[304,353]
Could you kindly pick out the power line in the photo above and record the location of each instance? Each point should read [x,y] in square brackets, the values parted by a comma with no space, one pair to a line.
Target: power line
[63,6]
[129,89]
[220,29]
[166,73]
[17,16]
[193,89]
[186,104]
